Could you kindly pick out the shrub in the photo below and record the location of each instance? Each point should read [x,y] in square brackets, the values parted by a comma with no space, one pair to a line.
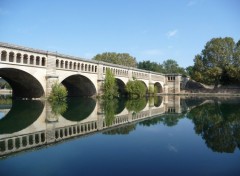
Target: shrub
[136,89]
[58,93]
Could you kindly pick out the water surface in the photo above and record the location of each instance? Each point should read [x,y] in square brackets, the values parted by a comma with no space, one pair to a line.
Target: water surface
[161,136]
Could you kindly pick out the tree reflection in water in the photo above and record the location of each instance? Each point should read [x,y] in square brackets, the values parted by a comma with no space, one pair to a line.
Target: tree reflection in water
[122,130]
[136,105]
[110,108]
[166,119]
[219,124]
[58,107]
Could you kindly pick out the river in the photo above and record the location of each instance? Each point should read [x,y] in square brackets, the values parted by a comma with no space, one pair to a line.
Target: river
[169,135]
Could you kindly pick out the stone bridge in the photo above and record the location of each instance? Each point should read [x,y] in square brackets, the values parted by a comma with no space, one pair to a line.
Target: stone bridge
[31,73]
[48,128]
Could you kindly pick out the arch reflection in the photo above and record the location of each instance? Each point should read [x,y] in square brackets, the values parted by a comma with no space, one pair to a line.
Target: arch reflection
[21,115]
[79,109]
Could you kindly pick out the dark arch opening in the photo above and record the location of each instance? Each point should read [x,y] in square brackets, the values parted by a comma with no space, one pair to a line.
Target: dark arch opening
[23,84]
[121,87]
[78,85]
[158,87]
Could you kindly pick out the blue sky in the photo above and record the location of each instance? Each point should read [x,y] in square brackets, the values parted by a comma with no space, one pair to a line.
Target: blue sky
[154,30]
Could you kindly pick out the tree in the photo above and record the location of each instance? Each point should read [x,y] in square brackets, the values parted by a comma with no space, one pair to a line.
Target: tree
[136,89]
[110,86]
[117,58]
[168,66]
[218,62]
[151,66]
[171,66]
[58,93]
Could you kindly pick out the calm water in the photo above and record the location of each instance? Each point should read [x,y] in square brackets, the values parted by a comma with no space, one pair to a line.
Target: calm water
[161,136]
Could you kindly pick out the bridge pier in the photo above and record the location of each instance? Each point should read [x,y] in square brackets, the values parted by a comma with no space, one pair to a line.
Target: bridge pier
[50,80]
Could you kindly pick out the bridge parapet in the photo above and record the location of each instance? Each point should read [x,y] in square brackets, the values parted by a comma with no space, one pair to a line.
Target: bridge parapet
[21,57]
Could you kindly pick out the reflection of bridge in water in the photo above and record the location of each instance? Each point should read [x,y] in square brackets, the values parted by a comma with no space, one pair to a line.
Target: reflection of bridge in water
[49,128]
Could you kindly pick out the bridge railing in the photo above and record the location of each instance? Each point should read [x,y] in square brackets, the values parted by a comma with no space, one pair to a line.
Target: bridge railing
[76,65]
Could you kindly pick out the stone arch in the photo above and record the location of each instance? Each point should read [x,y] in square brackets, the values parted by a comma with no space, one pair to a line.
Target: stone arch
[4,55]
[57,63]
[43,61]
[31,60]
[121,87]
[37,60]
[158,87]
[11,56]
[61,64]
[23,84]
[79,85]
[74,65]
[66,65]
[25,59]
[18,57]
[70,65]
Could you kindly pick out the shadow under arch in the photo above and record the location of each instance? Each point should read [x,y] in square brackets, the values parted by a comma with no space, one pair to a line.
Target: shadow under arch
[79,109]
[23,84]
[121,87]
[21,115]
[79,85]
[158,87]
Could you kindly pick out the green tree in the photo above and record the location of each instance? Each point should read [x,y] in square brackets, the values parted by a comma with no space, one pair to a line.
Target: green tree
[171,66]
[168,66]
[110,86]
[218,62]
[136,89]
[117,58]
[58,93]
[151,66]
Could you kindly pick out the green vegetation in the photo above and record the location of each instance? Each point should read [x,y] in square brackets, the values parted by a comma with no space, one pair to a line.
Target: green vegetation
[58,94]
[168,66]
[136,89]
[117,58]
[136,105]
[58,107]
[110,86]
[109,108]
[218,63]
[218,124]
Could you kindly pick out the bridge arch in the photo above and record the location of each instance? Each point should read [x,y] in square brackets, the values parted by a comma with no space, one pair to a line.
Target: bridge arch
[79,85]
[23,84]
[121,87]
[158,87]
